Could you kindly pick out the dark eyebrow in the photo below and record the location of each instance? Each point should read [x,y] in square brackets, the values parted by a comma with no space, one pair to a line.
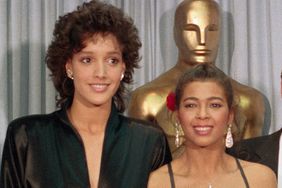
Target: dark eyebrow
[210,98]
[215,98]
[191,98]
[115,53]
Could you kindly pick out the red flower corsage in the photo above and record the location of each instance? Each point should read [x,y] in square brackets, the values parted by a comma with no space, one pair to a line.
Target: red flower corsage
[170,101]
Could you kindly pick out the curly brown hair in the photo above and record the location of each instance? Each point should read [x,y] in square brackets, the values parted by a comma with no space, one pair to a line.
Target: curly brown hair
[72,29]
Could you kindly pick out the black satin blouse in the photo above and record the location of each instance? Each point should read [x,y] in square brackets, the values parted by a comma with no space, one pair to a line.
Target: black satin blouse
[45,151]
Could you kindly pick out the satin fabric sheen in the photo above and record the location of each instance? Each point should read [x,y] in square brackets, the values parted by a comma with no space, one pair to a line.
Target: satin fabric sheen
[46,151]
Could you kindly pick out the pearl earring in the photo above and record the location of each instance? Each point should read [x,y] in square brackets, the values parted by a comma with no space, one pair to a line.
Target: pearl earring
[70,74]
[121,77]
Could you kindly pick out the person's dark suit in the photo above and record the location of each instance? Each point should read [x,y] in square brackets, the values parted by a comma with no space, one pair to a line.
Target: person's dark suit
[263,149]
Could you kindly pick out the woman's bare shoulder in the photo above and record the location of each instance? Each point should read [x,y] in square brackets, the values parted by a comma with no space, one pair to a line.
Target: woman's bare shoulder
[259,175]
[159,178]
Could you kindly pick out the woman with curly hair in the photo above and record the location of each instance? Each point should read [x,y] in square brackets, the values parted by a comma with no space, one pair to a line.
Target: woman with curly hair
[87,142]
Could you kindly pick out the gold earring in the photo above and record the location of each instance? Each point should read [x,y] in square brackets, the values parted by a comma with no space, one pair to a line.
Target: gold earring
[70,74]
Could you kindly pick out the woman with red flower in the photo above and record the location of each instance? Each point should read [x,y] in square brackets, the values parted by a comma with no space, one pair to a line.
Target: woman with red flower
[204,107]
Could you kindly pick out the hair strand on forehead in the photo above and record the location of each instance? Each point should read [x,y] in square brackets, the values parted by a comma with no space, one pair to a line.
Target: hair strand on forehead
[74,28]
[209,72]
[205,72]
